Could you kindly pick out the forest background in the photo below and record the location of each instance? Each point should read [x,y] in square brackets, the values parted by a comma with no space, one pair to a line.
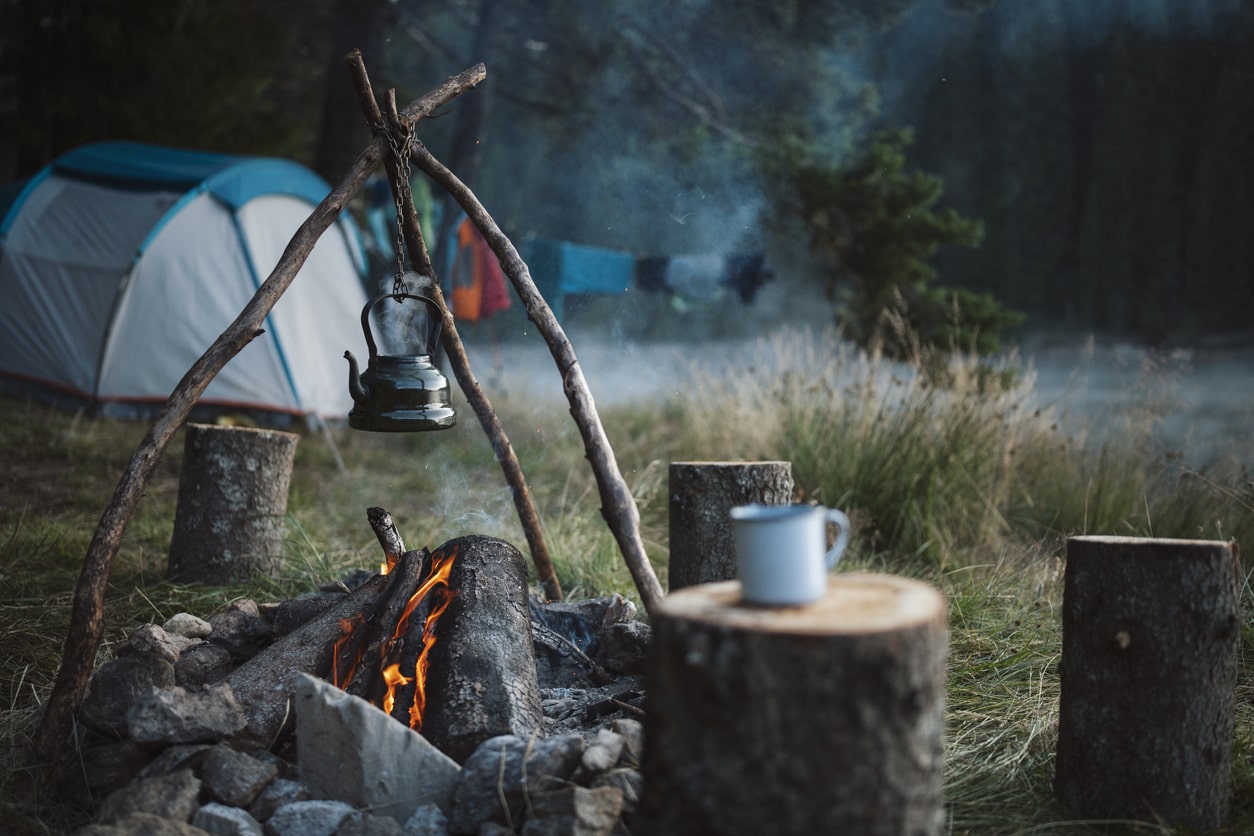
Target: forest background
[1103,146]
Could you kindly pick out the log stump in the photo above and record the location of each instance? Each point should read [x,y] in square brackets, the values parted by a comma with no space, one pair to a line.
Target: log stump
[228,524]
[1150,638]
[702,494]
[824,718]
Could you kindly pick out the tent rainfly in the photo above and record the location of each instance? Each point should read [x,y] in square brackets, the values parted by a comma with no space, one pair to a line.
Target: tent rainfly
[121,263]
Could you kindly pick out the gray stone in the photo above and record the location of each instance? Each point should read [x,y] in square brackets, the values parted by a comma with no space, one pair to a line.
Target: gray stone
[308,818]
[142,824]
[176,715]
[203,664]
[427,820]
[492,828]
[627,781]
[221,820]
[100,769]
[632,732]
[188,625]
[603,751]
[151,640]
[623,646]
[241,630]
[171,796]
[173,758]
[280,791]
[574,811]
[115,687]
[235,778]
[365,824]
[503,773]
[351,751]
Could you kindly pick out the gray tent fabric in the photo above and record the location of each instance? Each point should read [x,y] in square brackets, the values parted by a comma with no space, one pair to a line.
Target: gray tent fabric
[120,263]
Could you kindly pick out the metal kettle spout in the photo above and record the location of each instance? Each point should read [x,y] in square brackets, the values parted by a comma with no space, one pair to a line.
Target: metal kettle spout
[355,388]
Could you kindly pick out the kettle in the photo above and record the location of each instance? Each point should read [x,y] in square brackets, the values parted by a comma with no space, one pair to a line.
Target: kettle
[399,393]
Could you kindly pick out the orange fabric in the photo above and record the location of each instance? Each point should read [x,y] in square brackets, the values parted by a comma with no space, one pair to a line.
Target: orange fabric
[467,278]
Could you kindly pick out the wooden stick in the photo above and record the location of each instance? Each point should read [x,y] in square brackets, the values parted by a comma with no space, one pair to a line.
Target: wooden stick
[87,608]
[617,505]
[389,538]
[456,351]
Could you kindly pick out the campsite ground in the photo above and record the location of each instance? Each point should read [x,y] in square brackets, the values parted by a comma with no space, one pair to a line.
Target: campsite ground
[666,402]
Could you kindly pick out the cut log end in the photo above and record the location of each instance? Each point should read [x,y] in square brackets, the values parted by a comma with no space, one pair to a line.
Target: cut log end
[855,603]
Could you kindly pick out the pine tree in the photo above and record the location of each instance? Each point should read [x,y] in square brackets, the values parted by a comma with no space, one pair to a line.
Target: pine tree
[875,225]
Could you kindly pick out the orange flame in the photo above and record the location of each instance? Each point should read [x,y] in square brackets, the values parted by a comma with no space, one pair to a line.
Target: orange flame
[441,566]
[347,627]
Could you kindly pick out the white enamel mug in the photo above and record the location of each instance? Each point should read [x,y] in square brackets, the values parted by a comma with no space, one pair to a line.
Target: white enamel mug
[782,557]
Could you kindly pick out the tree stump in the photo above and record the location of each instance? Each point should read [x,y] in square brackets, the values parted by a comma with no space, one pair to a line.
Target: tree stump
[702,495]
[228,524]
[825,718]
[1150,637]
[482,678]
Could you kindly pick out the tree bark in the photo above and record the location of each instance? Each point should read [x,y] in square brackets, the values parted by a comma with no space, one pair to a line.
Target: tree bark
[87,608]
[618,507]
[1150,639]
[825,718]
[702,495]
[482,681]
[228,524]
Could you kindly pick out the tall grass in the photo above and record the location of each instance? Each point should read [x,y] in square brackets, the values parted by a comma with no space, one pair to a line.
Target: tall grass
[954,474]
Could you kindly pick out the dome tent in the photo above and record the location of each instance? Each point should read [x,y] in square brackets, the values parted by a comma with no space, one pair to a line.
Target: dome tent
[121,263]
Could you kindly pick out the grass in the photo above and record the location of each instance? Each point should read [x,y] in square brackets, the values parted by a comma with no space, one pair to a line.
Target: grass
[969,485]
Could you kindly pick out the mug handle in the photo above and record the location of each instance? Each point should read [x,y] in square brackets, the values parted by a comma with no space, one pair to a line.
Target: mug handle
[842,539]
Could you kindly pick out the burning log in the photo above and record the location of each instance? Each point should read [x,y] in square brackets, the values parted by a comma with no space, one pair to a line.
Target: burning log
[483,669]
[824,718]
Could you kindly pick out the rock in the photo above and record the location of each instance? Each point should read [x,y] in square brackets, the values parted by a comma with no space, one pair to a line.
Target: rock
[241,630]
[494,829]
[173,758]
[574,811]
[116,686]
[364,824]
[102,767]
[427,820]
[351,751]
[202,664]
[508,770]
[628,782]
[235,778]
[603,751]
[278,792]
[152,640]
[142,824]
[632,732]
[221,820]
[623,646]
[308,818]
[187,625]
[171,796]
[176,715]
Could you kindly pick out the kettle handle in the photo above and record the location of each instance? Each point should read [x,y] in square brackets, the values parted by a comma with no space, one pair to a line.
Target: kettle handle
[399,297]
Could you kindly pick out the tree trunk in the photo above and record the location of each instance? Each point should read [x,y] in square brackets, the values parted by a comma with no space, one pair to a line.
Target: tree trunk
[825,718]
[482,681]
[1150,636]
[702,495]
[228,525]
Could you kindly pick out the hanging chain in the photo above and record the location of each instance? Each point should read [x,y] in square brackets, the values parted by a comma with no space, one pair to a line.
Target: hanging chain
[401,148]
